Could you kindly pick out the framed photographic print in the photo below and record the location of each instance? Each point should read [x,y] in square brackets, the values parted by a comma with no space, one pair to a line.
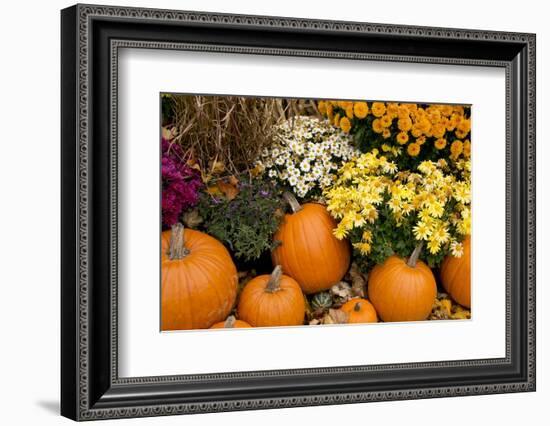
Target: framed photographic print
[263,212]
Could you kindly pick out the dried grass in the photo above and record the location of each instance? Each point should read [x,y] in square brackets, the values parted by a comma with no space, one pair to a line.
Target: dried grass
[231,130]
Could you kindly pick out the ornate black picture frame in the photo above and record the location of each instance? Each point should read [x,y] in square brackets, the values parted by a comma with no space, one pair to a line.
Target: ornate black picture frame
[91,36]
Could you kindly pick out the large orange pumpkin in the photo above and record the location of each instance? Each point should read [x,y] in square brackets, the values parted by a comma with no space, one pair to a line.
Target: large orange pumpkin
[199,280]
[272,300]
[359,311]
[308,250]
[455,275]
[231,322]
[402,290]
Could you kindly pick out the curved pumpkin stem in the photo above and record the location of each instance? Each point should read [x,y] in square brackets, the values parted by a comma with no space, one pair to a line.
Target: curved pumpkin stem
[357,307]
[415,255]
[292,202]
[274,282]
[229,322]
[177,248]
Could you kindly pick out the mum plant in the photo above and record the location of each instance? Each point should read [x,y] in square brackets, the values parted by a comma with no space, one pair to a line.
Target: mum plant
[385,211]
[180,183]
[407,133]
[244,218]
[305,155]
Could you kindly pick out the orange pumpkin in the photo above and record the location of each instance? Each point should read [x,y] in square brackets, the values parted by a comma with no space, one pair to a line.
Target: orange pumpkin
[308,250]
[402,290]
[359,311]
[231,322]
[455,275]
[272,300]
[199,280]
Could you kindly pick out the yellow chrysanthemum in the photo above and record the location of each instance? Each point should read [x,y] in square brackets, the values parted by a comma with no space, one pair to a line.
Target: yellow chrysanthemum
[416,131]
[454,120]
[364,248]
[460,134]
[456,149]
[367,236]
[458,109]
[433,246]
[386,133]
[377,126]
[360,109]
[402,111]
[413,149]
[404,124]
[345,124]
[421,140]
[343,104]
[402,138]
[464,125]
[322,107]
[392,109]
[424,125]
[329,109]
[378,109]
[421,231]
[440,143]
[340,232]
[386,120]
[446,110]
[336,120]
[466,149]
[438,130]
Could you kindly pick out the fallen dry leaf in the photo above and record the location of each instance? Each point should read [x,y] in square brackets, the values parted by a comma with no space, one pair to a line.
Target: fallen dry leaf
[214,190]
[460,313]
[233,180]
[229,190]
[245,276]
[358,281]
[341,293]
[335,316]
[169,133]
[217,167]
[192,219]
[445,308]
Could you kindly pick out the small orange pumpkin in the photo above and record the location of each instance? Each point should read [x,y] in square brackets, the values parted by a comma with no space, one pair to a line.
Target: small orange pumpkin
[359,311]
[308,250]
[402,290]
[231,322]
[272,300]
[199,280]
[455,275]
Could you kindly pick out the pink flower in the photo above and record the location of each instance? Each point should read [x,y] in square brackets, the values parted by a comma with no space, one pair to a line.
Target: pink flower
[180,184]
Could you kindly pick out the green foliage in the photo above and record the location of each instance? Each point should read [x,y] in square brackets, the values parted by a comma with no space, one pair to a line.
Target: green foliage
[246,223]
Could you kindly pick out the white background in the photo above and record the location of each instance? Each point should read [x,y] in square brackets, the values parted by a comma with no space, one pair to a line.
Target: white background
[146,352]
[29,225]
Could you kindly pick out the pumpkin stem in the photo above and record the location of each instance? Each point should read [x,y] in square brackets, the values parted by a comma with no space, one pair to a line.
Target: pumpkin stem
[292,202]
[229,322]
[415,255]
[177,248]
[274,282]
[357,307]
